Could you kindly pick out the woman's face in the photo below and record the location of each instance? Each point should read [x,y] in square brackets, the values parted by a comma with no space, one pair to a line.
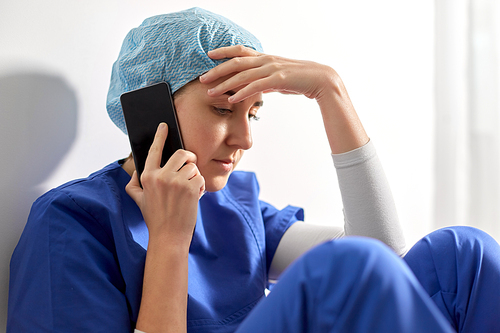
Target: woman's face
[216,131]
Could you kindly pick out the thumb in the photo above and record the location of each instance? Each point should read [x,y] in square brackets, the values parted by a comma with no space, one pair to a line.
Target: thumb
[133,188]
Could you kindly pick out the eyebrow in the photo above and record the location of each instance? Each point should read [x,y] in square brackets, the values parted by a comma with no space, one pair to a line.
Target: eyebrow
[232,92]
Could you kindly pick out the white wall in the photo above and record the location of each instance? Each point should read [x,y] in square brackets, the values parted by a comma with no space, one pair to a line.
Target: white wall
[55,62]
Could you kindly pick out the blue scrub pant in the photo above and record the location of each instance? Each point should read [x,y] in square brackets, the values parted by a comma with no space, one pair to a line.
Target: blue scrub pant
[449,281]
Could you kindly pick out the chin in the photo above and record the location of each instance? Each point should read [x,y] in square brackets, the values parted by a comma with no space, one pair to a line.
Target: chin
[216,184]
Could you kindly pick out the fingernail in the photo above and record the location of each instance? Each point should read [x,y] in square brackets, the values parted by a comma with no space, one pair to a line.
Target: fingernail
[202,78]
[210,91]
[162,126]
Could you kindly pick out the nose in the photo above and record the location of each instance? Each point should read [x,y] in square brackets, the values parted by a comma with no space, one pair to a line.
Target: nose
[240,134]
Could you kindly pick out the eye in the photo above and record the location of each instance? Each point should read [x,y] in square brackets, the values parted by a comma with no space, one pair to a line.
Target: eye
[253,117]
[222,111]
[252,114]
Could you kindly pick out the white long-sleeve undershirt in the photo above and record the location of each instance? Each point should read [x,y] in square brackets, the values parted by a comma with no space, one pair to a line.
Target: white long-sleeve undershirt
[369,210]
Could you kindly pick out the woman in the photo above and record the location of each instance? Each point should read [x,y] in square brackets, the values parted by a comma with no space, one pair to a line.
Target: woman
[82,264]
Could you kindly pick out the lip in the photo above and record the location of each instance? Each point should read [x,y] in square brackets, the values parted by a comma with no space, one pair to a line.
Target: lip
[226,164]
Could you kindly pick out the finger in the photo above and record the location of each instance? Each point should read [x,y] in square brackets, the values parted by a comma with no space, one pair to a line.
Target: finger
[197,183]
[179,159]
[239,80]
[189,171]
[153,161]
[264,86]
[202,187]
[231,52]
[256,87]
[236,64]
[200,183]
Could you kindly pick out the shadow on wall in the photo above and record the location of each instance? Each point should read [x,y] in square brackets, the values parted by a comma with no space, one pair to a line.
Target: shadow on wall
[38,117]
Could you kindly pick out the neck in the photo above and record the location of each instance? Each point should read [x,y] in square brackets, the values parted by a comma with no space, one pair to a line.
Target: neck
[129,165]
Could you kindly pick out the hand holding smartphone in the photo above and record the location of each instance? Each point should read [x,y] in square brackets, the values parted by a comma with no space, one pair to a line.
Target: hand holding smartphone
[144,109]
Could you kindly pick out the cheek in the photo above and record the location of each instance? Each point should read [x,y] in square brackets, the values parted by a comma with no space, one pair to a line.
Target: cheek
[202,137]
[189,126]
[202,133]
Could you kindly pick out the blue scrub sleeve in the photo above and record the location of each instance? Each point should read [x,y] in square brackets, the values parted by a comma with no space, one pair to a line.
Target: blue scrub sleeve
[64,273]
[276,222]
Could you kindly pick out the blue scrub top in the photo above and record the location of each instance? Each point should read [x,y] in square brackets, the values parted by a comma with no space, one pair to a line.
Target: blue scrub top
[79,264]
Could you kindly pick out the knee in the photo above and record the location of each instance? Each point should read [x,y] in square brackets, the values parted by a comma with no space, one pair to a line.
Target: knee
[360,248]
[350,256]
[348,267]
[354,248]
[459,238]
[459,233]
[458,244]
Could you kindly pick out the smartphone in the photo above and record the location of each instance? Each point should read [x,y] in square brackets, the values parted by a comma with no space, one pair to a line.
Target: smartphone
[144,109]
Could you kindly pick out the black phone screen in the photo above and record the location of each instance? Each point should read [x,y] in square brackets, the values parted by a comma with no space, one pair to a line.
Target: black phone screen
[144,109]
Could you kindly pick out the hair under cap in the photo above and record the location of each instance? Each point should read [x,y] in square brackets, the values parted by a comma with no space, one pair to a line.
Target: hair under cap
[171,48]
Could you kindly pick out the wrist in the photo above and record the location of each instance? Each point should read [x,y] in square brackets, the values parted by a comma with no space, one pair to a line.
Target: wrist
[331,86]
[167,241]
[342,124]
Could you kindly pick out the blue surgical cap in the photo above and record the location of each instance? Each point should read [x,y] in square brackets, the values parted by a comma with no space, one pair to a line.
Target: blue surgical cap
[171,48]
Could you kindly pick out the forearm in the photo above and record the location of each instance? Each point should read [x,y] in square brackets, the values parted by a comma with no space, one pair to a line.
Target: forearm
[164,297]
[342,124]
[369,208]
[168,201]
